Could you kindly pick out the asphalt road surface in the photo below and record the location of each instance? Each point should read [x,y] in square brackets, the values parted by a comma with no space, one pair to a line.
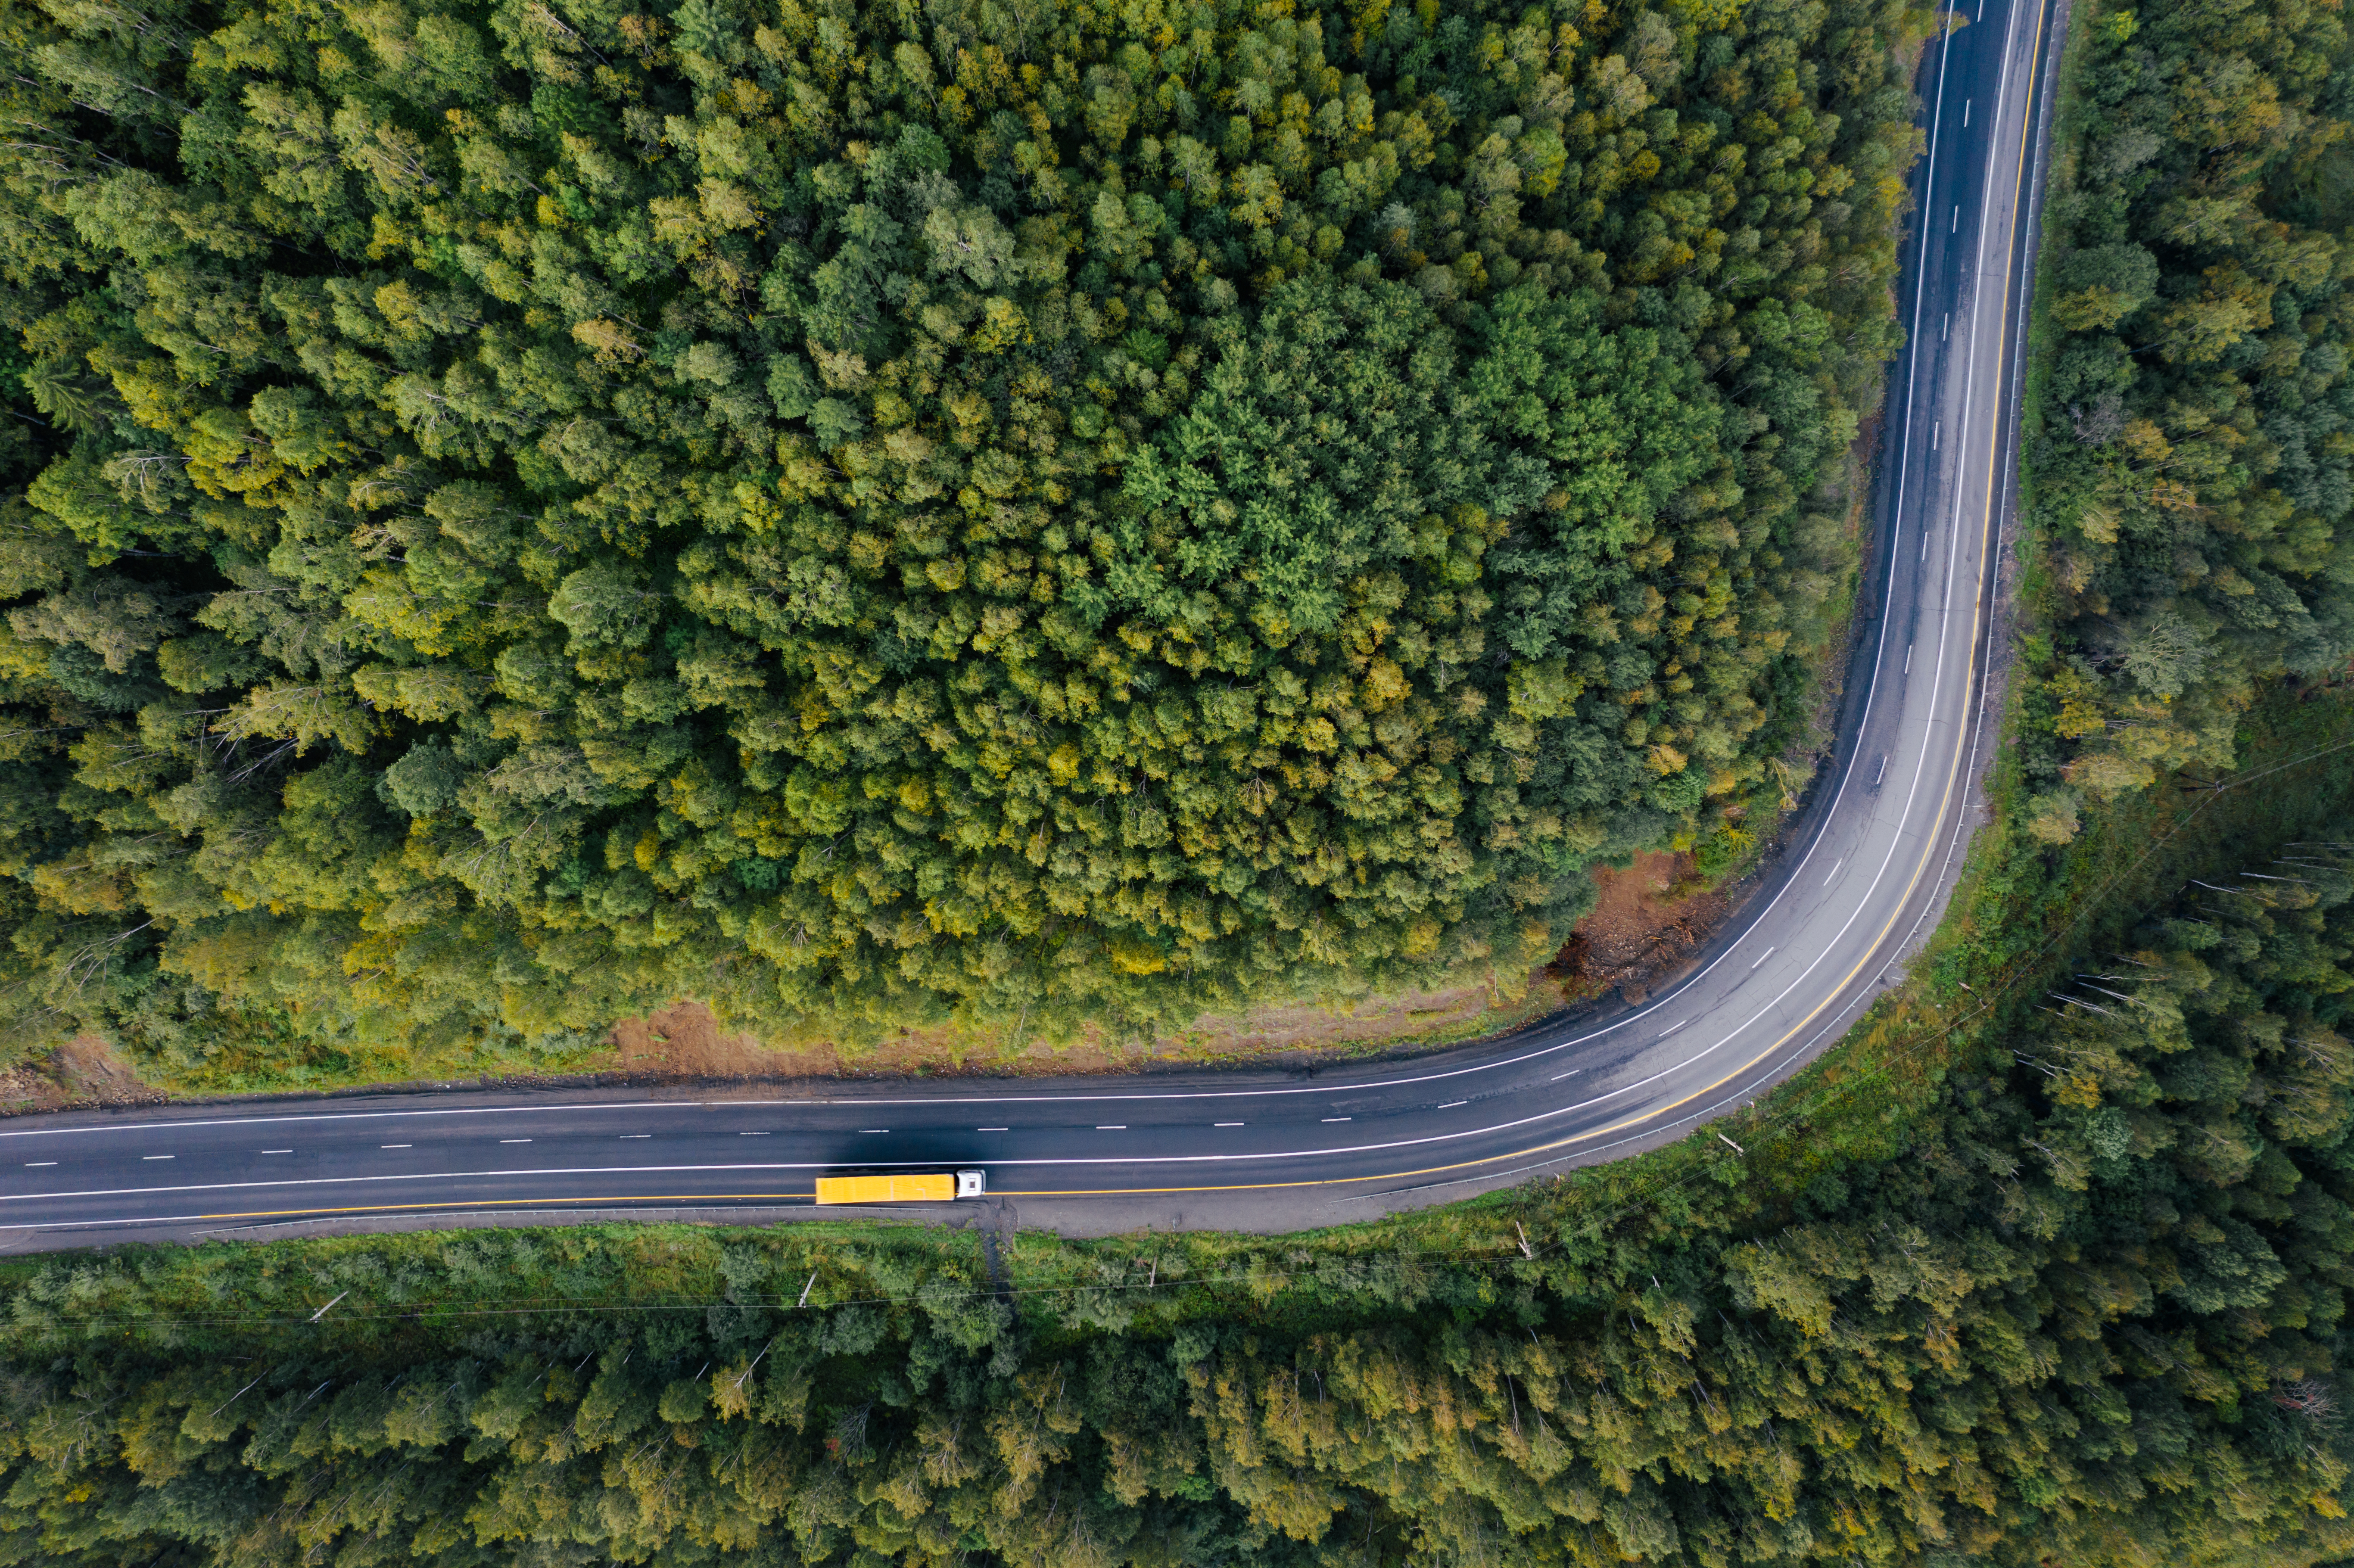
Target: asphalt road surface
[1873,862]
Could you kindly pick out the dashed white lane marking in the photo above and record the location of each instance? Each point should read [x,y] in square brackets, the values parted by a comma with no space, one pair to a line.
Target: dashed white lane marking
[989,1130]
[1908,658]
[1449,1105]
[1571,1074]
[868,1129]
[1330,1118]
[396,1146]
[514,1140]
[1245,1124]
[29,1163]
[277,1152]
[1670,1030]
[751,1135]
[158,1157]
[637,1135]
[1762,957]
[1835,865]
[1111,1127]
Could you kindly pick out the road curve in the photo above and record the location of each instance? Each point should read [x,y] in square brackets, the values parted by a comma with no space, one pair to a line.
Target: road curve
[1875,858]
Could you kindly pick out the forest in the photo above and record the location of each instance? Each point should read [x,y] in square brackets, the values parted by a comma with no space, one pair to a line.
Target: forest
[2085,1304]
[1013,511]
[2190,483]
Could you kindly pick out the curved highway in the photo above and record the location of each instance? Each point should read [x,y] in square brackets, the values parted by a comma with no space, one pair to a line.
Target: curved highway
[1872,862]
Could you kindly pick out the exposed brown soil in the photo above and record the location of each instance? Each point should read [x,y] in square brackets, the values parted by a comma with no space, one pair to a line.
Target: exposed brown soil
[1649,920]
[82,1073]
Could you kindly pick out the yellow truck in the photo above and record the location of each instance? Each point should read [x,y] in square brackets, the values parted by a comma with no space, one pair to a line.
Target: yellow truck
[902,1187]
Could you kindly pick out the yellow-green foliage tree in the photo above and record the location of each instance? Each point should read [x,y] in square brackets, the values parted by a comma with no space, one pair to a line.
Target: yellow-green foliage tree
[871,511]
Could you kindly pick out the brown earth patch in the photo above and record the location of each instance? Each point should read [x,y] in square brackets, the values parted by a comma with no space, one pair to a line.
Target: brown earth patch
[1648,918]
[84,1071]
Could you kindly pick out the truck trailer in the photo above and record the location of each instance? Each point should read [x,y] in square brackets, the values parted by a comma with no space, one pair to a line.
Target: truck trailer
[902,1187]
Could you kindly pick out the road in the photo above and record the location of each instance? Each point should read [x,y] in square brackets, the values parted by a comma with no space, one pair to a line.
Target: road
[1873,859]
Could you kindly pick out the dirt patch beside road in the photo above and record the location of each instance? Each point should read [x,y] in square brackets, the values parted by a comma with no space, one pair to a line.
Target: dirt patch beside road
[1647,922]
[82,1074]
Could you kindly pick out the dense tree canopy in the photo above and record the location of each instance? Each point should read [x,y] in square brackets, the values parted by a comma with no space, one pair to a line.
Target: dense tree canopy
[2198,420]
[541,508]
[2092,1313]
